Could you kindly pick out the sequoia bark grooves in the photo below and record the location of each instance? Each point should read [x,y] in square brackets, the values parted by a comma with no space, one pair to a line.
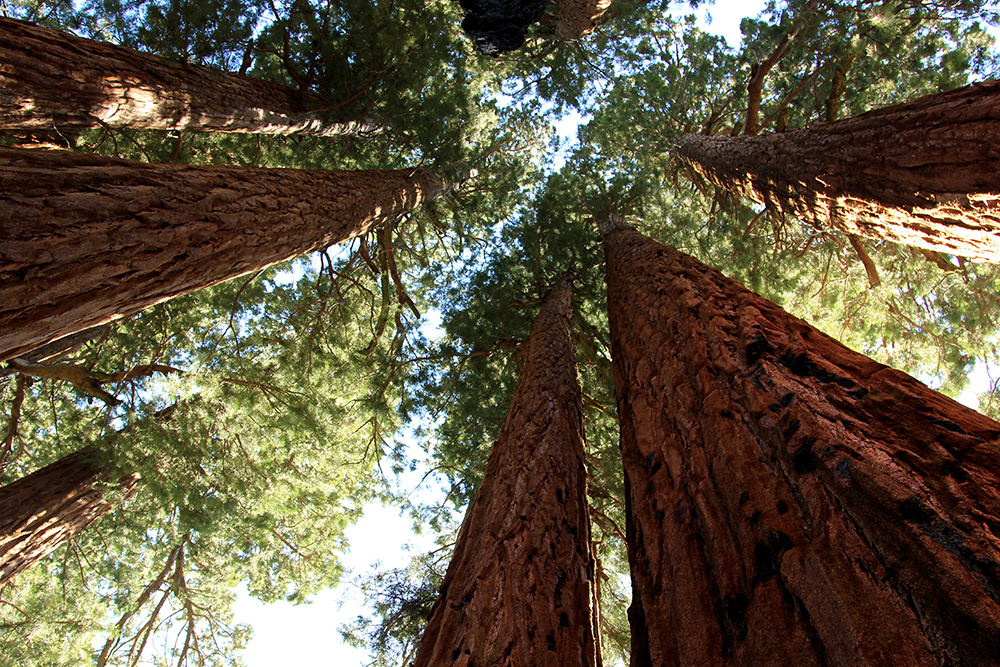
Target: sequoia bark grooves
[791,501]
[925,173]
[53,80]
[44,509]
[520,588]
[85,239]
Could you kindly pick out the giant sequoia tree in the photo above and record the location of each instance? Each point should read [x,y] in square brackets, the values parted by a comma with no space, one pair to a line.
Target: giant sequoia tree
[48,507]
[921,173]
[88,238]
[790,501]
[56,81]
[521,586]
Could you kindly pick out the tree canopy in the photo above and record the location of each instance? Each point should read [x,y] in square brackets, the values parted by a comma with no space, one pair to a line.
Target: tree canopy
[262,413]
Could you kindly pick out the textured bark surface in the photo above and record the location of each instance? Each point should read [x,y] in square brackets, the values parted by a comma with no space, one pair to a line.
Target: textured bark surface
[44,509]
[791,502]
[52,80]
[85,239]
[578,18]
[520,588]
[925,173]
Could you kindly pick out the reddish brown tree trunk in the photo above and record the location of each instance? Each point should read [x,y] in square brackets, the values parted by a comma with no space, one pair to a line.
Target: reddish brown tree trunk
[925,173]
[53,80]
[44,509]
[85,239]
[789,501]
[520,589]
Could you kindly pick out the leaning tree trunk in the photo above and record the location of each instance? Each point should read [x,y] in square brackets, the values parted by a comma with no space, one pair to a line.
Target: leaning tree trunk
[925,173]
[520,589]
[46,508]
[789,501]
[85,239]
[56,81]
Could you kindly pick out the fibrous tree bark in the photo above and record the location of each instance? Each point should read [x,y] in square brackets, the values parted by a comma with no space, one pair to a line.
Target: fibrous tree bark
[85,239]
[520,589]
[577,18]
[925,173]
[789,501]
[48,507]
[56,81]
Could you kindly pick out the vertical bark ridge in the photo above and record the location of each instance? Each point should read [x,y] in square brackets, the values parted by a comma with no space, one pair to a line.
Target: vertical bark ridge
[54,80]
[925,173]
[520,588]
[48,507]
[791,501]
[85,239]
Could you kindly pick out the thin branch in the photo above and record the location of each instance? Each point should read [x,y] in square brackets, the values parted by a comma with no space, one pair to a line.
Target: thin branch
[788,99]
[937,259]
[60,346]
[86,381]
[759,72]
[754,221]
[870,268]
[78,376]
[147,592]
[605,522]
[837,87]
[390,260]
[12,422]
[383,316]
[894,309]
[147,630]
[588,401]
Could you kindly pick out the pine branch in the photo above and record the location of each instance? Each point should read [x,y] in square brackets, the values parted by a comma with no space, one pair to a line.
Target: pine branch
[870,268]
[759,72]
[390,260]
[12,422]
[85,381]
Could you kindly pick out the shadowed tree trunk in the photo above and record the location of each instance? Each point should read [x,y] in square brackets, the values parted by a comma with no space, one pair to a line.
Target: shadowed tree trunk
[53,80]
[44,509]
[85,239]
[789,501]
[924,173]
[520,589]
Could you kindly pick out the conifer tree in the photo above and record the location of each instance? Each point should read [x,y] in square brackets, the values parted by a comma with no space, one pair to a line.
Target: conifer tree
[521,588]
[57,81]
[44,509]
[85,239]
[921,173]
[790,501]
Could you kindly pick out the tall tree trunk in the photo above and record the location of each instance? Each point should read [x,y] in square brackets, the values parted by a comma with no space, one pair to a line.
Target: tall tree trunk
[789,501]
[924,173]
[53,80]
[520,589]
[44,509]
[85,239]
